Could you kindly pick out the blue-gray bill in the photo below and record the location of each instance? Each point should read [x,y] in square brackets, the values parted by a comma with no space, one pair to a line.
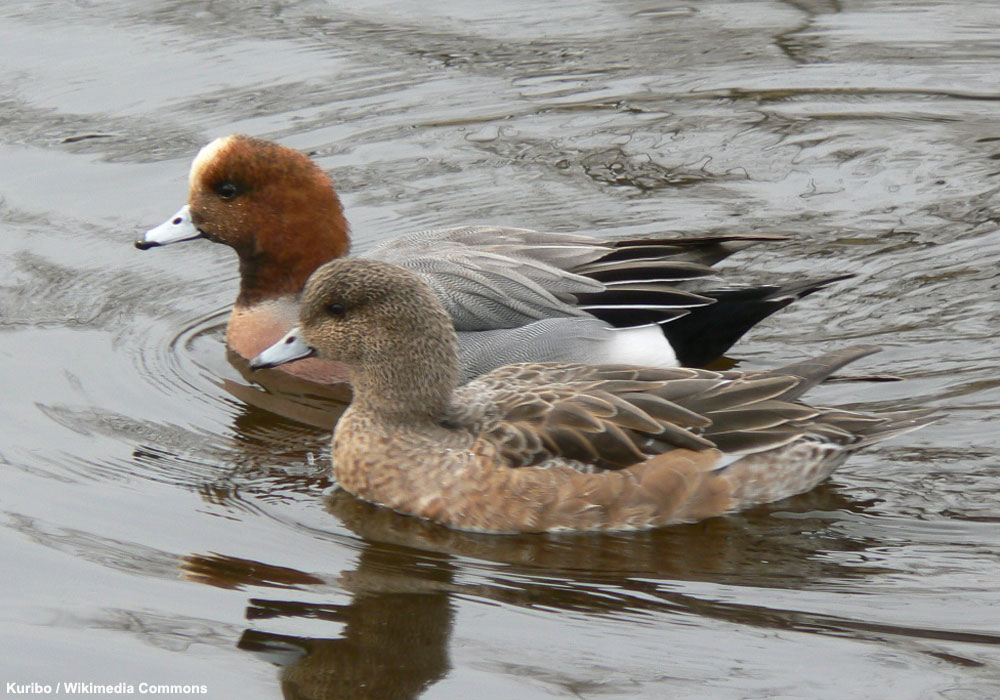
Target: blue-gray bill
[291,347]
[177,228]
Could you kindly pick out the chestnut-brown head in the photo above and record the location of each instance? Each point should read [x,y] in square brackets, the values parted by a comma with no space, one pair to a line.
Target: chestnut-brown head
[273,205]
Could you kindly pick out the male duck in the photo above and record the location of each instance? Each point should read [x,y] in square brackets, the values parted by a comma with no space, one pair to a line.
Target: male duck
[544,447]
[514,295]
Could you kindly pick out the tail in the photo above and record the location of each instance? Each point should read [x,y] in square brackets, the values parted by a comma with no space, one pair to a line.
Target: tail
[897,423]
[866,428]
[645,282]
[763,476]
[800,466]
[707,332]
[816,370]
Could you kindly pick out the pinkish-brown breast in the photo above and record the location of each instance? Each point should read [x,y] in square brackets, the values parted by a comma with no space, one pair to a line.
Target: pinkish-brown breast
[253,329]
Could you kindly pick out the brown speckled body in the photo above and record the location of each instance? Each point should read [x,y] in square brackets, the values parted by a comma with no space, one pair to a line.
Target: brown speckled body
[456,482]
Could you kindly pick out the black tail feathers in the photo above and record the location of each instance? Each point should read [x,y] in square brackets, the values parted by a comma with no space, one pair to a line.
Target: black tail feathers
[707,332]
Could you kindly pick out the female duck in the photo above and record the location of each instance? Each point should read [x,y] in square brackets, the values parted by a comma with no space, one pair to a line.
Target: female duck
[514,295]
[543,447]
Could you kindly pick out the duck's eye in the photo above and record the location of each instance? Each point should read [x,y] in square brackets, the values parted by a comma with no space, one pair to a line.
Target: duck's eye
[227,189]
[336,310]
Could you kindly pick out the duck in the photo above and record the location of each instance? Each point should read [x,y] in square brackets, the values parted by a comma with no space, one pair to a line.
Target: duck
[549,447]
[513,294]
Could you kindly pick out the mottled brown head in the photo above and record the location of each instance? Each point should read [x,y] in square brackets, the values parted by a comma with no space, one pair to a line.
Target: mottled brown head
[387,326]
[273,206]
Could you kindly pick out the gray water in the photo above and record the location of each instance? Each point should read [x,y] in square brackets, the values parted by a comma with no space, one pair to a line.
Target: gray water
[167,522]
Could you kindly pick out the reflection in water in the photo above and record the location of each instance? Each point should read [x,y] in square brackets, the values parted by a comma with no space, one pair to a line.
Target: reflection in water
[752,548]
[394,642]
[282,394]
[392,639]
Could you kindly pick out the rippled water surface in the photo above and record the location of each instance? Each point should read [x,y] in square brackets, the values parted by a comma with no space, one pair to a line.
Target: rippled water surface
[166,521]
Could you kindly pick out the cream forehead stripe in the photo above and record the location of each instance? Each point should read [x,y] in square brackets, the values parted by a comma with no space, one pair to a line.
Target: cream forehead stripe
[206,155]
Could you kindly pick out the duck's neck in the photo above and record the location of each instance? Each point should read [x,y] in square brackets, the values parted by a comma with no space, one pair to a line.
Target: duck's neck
[290,247]
[264,276]
[411,384]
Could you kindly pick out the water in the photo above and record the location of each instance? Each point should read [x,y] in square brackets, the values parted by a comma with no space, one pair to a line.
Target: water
[166,522]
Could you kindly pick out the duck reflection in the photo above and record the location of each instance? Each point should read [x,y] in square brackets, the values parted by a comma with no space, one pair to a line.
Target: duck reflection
[392,639]
[770,546]
[393,643]
[282,394]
